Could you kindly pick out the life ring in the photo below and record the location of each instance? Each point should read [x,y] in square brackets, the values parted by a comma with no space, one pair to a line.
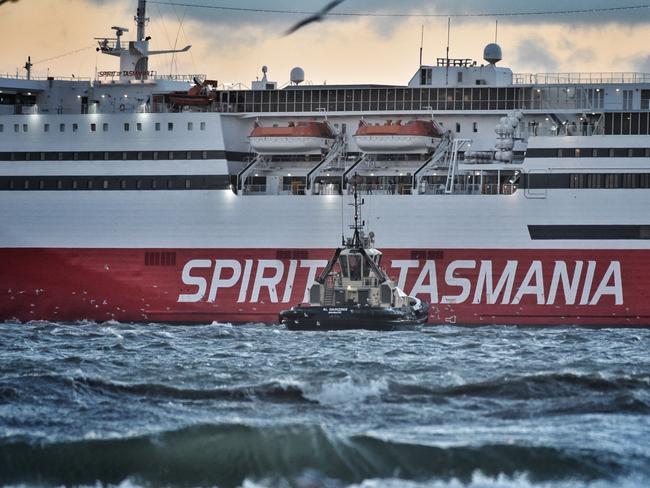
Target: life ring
[122,108]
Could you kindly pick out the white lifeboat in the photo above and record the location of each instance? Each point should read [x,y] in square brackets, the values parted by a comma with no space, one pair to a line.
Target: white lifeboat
[300,138]
[412,137]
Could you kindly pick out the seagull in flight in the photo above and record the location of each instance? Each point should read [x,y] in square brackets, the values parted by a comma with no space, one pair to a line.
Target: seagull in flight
[317,17]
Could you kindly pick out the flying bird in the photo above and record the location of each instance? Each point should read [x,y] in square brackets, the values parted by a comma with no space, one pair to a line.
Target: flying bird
[317,17]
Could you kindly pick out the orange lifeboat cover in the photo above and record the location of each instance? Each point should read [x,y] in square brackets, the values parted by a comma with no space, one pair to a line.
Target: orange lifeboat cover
[300,129]
[425,128]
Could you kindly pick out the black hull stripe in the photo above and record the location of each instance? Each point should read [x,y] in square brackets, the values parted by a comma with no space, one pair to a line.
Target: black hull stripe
[589,232]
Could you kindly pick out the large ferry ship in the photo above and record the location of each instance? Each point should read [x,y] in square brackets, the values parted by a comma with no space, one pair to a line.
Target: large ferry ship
[498,198]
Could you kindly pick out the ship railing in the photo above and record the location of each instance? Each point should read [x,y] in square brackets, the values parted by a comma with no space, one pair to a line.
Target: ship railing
[370,281]
[384,189]
[580,78]
[496,189]
[16,76]
[568,130]
[255,189]
[187,78]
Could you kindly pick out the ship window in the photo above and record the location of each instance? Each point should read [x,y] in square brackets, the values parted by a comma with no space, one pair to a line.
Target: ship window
[126,127]
[46,128]
[460,77]
[93,127]
[344,266]
[75,185]
[475,127]
[41,185]
[354,261]
[169,184]
[89,184]
[157,126]
[59,185]
[105,185]
[138,184]
[190,126]
[75,127]
[123,184]
[138,127]
[170,126]
[202,125]
[154,185]
[187,184]
[105,127]
[61,127]
[16,127]
[457,127]
[26,185]
[25,127]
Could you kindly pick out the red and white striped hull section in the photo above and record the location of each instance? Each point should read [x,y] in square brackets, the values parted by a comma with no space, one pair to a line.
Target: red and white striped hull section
[465,287]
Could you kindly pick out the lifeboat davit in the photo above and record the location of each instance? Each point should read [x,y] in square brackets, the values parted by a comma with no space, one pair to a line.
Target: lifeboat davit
[201,94]
[295,138]
[412,137]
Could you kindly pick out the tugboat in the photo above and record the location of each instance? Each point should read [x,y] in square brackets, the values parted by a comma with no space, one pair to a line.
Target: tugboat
[353,291]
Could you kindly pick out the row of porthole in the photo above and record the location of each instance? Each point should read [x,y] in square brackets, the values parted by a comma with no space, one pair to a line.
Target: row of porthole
[105,127]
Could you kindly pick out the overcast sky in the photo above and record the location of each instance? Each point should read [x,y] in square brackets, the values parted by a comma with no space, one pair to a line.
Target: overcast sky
[232,46]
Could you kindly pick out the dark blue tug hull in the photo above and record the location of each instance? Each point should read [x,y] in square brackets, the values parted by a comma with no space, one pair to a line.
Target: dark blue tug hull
[353,318]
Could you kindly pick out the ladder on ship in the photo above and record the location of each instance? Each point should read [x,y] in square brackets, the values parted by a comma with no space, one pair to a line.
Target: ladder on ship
[344,179]
[440,154]
[335,152]
[245,173]
[456,146]
[329,296]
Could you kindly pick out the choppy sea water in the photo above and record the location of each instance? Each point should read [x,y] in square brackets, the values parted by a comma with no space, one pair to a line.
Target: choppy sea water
[152,405]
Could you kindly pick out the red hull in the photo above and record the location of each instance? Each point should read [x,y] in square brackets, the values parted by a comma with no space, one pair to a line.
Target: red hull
[465,287]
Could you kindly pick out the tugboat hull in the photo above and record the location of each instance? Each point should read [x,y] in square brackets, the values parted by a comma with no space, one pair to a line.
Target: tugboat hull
[354,318]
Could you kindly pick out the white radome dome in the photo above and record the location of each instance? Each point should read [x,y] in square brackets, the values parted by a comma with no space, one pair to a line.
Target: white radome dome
[492,53]
[297,75]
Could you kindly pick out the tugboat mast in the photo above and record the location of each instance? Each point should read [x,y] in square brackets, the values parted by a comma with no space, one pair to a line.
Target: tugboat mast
[356,237]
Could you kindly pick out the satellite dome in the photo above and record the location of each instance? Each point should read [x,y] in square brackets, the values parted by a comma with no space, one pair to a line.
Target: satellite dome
[492,53]
[297,75]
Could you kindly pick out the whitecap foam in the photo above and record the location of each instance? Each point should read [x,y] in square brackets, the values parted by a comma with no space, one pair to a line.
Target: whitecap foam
[346,391]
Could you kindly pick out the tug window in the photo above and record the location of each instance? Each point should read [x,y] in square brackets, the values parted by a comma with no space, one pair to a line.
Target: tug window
[355,267]
[344,266]
[202,125]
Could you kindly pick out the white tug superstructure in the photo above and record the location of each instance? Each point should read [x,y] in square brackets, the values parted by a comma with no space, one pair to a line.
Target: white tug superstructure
[500,198]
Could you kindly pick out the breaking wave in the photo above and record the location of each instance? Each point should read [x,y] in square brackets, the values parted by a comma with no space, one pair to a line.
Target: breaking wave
[227,455]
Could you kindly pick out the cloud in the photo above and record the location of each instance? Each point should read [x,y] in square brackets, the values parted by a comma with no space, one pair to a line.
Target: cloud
[532,55]
[271,21]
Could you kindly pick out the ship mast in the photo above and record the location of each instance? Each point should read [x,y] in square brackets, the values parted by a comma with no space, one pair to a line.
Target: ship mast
[141,19]
[356,237]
